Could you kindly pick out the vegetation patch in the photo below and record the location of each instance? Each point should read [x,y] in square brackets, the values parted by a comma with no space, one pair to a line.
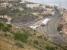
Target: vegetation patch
[36,42]
[19,45]
[22,36]
[50,48]
[5,27]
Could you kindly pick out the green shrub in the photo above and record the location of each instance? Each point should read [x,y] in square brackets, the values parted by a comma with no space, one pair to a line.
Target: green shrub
[21,36]
[9,25]
[50,48]
[5,27]
[1,26]
[36,42]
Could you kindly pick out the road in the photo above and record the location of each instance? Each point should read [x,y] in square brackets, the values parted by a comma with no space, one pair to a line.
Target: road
[50,29]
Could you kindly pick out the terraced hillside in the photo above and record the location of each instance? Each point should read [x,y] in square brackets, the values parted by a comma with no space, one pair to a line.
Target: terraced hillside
[26,12]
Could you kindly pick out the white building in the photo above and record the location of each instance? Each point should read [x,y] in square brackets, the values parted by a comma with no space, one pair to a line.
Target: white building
[9,0]
[32,5]
[45,21]
[6,17]
[4,4]
[42,22]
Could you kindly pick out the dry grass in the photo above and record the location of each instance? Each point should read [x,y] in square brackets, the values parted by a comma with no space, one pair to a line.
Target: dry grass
[7,46]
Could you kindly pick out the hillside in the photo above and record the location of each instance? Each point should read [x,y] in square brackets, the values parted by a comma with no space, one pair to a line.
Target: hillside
[16,33]
[24,39]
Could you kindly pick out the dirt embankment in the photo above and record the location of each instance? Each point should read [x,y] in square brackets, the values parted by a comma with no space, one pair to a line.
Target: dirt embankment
[65,22]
